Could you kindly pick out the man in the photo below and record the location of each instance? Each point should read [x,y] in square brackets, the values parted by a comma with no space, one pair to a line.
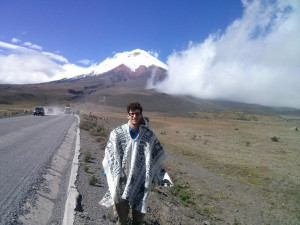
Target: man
[132,161]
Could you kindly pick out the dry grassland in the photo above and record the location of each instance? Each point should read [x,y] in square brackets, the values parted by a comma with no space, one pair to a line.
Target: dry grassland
[247,170]
[13,110]
[235,168]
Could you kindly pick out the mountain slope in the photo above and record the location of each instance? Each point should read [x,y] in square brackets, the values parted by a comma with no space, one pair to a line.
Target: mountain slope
[117,89]
[126,82]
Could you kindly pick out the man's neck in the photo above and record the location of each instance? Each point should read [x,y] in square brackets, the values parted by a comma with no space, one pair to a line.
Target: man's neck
[134,127]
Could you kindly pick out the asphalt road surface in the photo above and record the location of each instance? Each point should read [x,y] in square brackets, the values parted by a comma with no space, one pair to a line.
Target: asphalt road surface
[28,145]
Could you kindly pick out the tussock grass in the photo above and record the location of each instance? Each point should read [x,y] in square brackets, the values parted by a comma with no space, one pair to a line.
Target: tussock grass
[206,211]
[275,139]
[90,123]
[93,180]
[87,156]
[85,168]
[184,193]
[255,182]
[236,222]
[99,130]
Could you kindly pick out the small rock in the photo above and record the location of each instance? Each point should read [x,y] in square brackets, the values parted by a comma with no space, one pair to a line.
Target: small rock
[295,129]
[206,223]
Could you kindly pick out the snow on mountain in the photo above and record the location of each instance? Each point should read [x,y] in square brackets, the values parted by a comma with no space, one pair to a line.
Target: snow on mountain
[133,60]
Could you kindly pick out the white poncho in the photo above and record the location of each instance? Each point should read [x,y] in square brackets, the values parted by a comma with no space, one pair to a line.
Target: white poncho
[131,165]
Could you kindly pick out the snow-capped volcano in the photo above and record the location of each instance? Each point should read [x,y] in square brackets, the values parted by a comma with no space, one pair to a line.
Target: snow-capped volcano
[133,60]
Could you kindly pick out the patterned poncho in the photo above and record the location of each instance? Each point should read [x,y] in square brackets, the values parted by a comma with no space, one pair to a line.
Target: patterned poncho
[131,165]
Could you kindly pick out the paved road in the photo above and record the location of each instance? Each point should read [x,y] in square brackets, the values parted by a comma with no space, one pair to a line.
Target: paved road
[27,145]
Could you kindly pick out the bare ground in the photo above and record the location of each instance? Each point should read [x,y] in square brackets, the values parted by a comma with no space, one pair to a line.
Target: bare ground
[227,168]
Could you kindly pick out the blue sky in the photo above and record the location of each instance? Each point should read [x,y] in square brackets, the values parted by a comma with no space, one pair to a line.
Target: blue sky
[246,51]
[93,30]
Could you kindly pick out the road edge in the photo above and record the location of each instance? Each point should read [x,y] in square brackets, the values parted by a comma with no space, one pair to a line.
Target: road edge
[72,193]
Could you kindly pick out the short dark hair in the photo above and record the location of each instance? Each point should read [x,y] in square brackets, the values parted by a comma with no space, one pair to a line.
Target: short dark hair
[133,106]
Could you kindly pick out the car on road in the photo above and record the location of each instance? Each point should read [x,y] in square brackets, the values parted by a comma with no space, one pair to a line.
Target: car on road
[50,111]
[67,110]
[39,110]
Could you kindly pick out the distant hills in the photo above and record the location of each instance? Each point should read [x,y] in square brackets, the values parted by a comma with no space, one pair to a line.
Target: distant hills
[124,79]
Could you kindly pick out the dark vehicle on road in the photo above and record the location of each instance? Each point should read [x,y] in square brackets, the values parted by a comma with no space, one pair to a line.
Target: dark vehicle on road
[39,111]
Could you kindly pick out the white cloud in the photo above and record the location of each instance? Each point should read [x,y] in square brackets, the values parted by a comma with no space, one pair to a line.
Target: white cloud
[56,57]
[33,46]
[256,60]
[27,68]
[71,70]
[7,45]
[85,62]
[27,64]
[21,65]
[15,40]
[153,53]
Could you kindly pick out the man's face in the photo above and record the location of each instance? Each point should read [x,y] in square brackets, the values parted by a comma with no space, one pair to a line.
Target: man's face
[135,117]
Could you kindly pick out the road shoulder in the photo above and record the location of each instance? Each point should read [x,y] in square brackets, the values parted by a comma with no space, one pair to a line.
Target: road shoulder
[48,205]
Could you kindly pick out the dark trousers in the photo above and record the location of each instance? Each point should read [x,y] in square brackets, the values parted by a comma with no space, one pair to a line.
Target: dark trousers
[121,211]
